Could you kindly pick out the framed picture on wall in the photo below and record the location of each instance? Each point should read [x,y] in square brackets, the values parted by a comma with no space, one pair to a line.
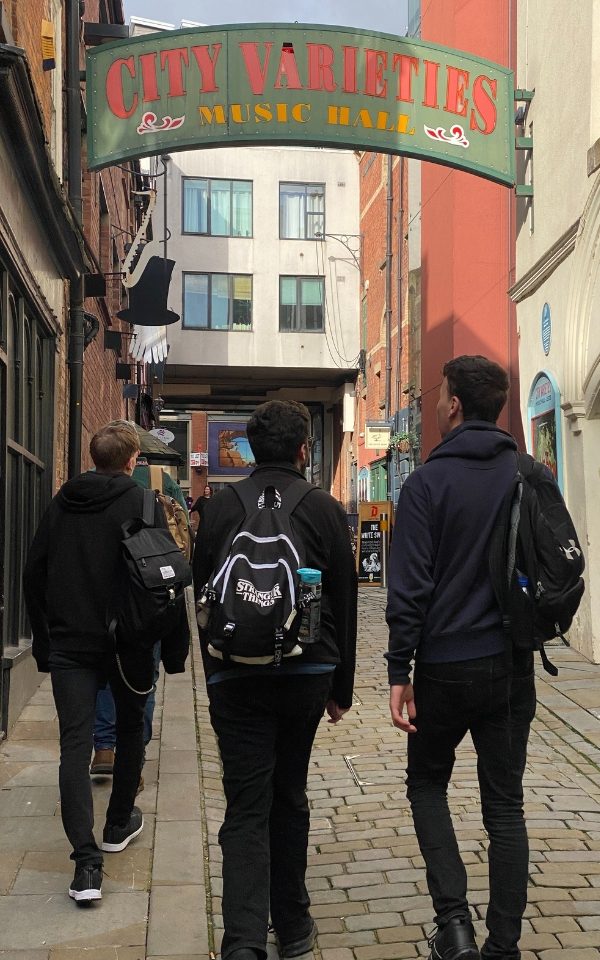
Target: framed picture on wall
[229,453]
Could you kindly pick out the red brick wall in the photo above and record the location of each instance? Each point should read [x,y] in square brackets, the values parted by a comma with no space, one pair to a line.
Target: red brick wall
[373,205]
[102,392]
[198,440]
[25,18]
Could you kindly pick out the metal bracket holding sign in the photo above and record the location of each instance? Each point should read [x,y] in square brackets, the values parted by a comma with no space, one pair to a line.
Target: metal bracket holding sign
[525,143]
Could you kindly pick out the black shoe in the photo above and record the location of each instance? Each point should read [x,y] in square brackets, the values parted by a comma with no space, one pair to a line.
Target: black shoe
[297,947]
[115,838]
[454,941]
[87,883]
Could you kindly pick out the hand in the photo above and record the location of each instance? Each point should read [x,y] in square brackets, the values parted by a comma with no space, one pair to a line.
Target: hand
[402,695]
[335,712]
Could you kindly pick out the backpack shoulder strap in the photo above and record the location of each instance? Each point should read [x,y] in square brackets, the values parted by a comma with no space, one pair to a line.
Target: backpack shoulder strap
[247,493]
[148,510]
[156,478]
[295,493]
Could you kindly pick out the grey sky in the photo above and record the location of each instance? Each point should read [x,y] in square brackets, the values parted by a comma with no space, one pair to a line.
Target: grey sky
[386,15]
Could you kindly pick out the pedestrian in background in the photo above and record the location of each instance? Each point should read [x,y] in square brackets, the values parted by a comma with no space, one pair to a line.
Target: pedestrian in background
[442,613]
[200,504]
[265,717]
[105,720]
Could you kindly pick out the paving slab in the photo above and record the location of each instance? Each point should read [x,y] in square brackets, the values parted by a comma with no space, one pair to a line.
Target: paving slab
[179,922]
[120,918]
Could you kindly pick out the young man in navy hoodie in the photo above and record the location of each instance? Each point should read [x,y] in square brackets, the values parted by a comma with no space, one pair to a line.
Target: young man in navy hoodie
[443,614]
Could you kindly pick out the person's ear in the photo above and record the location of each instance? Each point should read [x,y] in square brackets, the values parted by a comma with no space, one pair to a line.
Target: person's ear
[455,406]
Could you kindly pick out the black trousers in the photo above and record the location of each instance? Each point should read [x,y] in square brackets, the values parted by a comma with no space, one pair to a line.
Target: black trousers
[265,728]
[76,680]
[451,699]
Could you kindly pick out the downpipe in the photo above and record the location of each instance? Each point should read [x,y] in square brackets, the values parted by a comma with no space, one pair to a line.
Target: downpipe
[76,324]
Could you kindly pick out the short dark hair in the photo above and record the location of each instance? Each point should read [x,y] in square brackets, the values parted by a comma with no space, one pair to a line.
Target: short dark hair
[114,445]
[277,429]
[480,384]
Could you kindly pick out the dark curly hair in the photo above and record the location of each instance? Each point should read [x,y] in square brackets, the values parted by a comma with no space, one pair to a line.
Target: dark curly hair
[480,384]
[277,429]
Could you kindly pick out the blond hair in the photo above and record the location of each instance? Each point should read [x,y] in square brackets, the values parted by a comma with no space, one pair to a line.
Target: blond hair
[114,445]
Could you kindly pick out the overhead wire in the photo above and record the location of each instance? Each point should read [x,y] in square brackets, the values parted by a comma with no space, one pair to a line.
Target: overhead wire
[329,325]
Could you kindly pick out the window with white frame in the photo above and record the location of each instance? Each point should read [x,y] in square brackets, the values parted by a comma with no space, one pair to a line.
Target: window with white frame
[217,301]
[301,302]
[301,211]
[217,208]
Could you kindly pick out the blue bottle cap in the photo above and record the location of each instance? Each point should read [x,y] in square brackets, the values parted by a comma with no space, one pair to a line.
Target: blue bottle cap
[308,575]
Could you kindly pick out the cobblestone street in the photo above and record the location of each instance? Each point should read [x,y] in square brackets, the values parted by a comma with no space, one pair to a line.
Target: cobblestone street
[162,895]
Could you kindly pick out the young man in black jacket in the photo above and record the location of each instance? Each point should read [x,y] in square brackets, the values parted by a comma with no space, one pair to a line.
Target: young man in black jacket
[266,717]
[443,613]
[73,582]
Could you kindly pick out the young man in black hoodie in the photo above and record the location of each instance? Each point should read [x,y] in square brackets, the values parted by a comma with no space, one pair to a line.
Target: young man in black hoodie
[266,717]
[73,582]
[443,614]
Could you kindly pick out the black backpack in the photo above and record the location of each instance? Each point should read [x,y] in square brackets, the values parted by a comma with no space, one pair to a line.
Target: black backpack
[254,592]
[536,561]
[153,608]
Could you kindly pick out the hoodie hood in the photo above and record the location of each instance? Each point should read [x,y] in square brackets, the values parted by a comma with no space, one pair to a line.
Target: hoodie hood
[474,440]
[93,492]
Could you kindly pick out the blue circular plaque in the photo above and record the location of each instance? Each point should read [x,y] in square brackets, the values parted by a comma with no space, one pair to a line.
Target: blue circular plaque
[546,328]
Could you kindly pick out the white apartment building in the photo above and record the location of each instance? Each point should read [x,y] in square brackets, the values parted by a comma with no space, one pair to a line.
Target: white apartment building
[557,288]
[267,280]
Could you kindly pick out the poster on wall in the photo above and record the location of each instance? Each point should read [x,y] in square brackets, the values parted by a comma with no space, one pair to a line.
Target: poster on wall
[542,413]
[229,451]
[543,441]
[369,557]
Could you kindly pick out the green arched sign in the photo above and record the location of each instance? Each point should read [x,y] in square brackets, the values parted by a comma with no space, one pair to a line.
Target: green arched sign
[295,83]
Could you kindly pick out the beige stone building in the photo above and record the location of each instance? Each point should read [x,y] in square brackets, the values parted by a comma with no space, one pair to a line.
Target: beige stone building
[557,288]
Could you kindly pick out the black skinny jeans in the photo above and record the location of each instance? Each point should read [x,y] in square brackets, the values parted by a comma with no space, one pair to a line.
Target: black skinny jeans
[451,699]
[265,728]
[76,680]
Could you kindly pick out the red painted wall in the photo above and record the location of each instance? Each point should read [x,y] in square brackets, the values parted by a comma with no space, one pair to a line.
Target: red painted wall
[468,233]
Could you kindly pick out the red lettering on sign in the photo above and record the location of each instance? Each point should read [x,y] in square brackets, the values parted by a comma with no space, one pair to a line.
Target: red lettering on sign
[374,512]
[431,76]
[288,68]
[257,72]
[484,104]
[173,60]
[405,66]
[350,84]
[207,66]
[320,67]
[375,64]
[456,86]
[114,88]
[149,85]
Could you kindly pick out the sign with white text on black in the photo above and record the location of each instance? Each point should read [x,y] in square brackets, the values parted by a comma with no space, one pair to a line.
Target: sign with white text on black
[369,557]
